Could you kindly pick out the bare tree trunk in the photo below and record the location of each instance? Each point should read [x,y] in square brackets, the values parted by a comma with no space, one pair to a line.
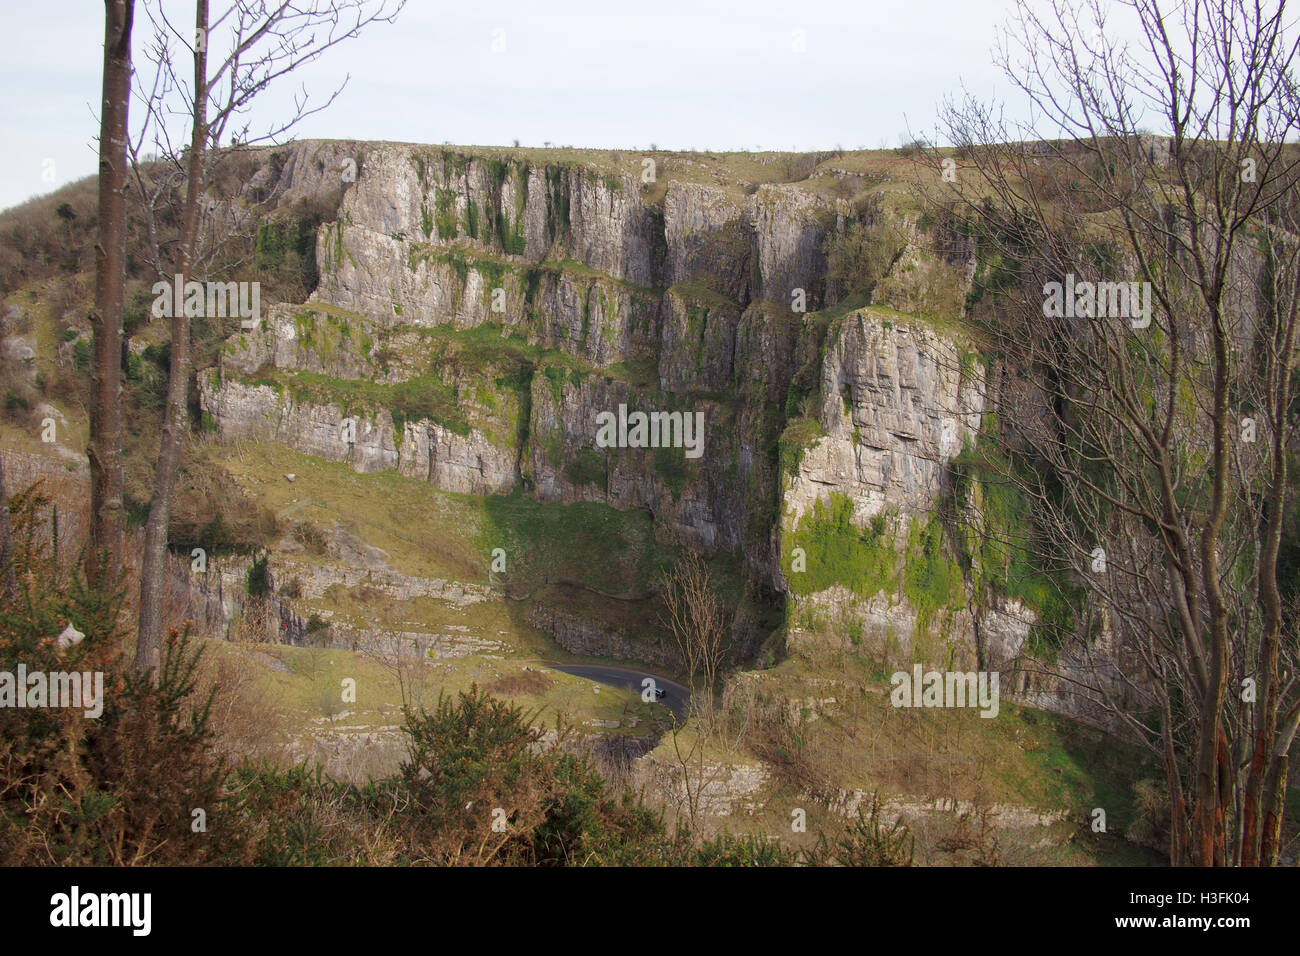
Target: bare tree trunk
[1270,843]
[153,570]
[104,556]
[1208,815]
[8,582]
[1262,848]
[1177,806]
[266,41]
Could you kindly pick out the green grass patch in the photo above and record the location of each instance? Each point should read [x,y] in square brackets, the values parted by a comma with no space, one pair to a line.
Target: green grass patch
[1003,550]
[587,467]
[800,435]
[839,552]
[932,581]
[594,544]
[423,397]
[445,213]
[672,467]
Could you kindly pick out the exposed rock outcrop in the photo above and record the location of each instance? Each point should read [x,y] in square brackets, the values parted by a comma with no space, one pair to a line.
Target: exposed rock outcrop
[529,295]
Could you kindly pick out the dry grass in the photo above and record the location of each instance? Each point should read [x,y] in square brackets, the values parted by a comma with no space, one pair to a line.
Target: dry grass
[530,682]
[823,724]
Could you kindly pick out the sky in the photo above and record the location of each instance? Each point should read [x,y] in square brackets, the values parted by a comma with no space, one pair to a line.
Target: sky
[740,74]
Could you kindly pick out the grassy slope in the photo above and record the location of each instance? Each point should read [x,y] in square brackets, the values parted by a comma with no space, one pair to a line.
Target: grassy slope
[430,533]
[846,735]
[303,689]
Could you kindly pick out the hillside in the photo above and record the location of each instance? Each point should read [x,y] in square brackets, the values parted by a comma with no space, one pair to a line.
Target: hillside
[396,474]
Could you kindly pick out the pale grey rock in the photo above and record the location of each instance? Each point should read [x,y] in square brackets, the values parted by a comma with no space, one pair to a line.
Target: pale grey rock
[262,413]
[1002,630]
[69,637]
[585,265]
[580,636]
[698,343]
[897,406]
[470,464]
[17,350]
[708,236]
[790,225]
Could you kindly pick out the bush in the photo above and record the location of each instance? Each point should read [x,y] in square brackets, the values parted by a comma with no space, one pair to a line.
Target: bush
[301,817]
[15,403]
[81,355]
[587,467]
[286,255]
[728,850]
[136,312]
[1005,547]
[797,438]
[160,355]
[866,841]
[475,761]
[858,258]
[311,537]
[118,789]
[258,580]
[217,538]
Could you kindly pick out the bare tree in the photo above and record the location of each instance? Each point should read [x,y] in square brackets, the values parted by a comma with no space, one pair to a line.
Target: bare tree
[406,658]
[265,41]
[698,623]
[8,580]
[104,555]
[1140,301]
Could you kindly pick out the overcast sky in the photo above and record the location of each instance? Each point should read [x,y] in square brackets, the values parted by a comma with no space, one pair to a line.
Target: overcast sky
[677,73]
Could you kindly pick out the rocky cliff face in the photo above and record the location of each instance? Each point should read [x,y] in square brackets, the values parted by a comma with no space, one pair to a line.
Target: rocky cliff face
[415,204]
[647,298]
[531,294]
[898,401]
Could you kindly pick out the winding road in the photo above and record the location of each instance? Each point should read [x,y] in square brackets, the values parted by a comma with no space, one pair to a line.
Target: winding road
[676,697]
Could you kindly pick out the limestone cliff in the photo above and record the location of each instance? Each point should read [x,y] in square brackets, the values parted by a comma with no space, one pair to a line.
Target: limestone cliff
[478,310]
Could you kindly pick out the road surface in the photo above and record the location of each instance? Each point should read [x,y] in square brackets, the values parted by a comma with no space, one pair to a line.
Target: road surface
[676,696]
